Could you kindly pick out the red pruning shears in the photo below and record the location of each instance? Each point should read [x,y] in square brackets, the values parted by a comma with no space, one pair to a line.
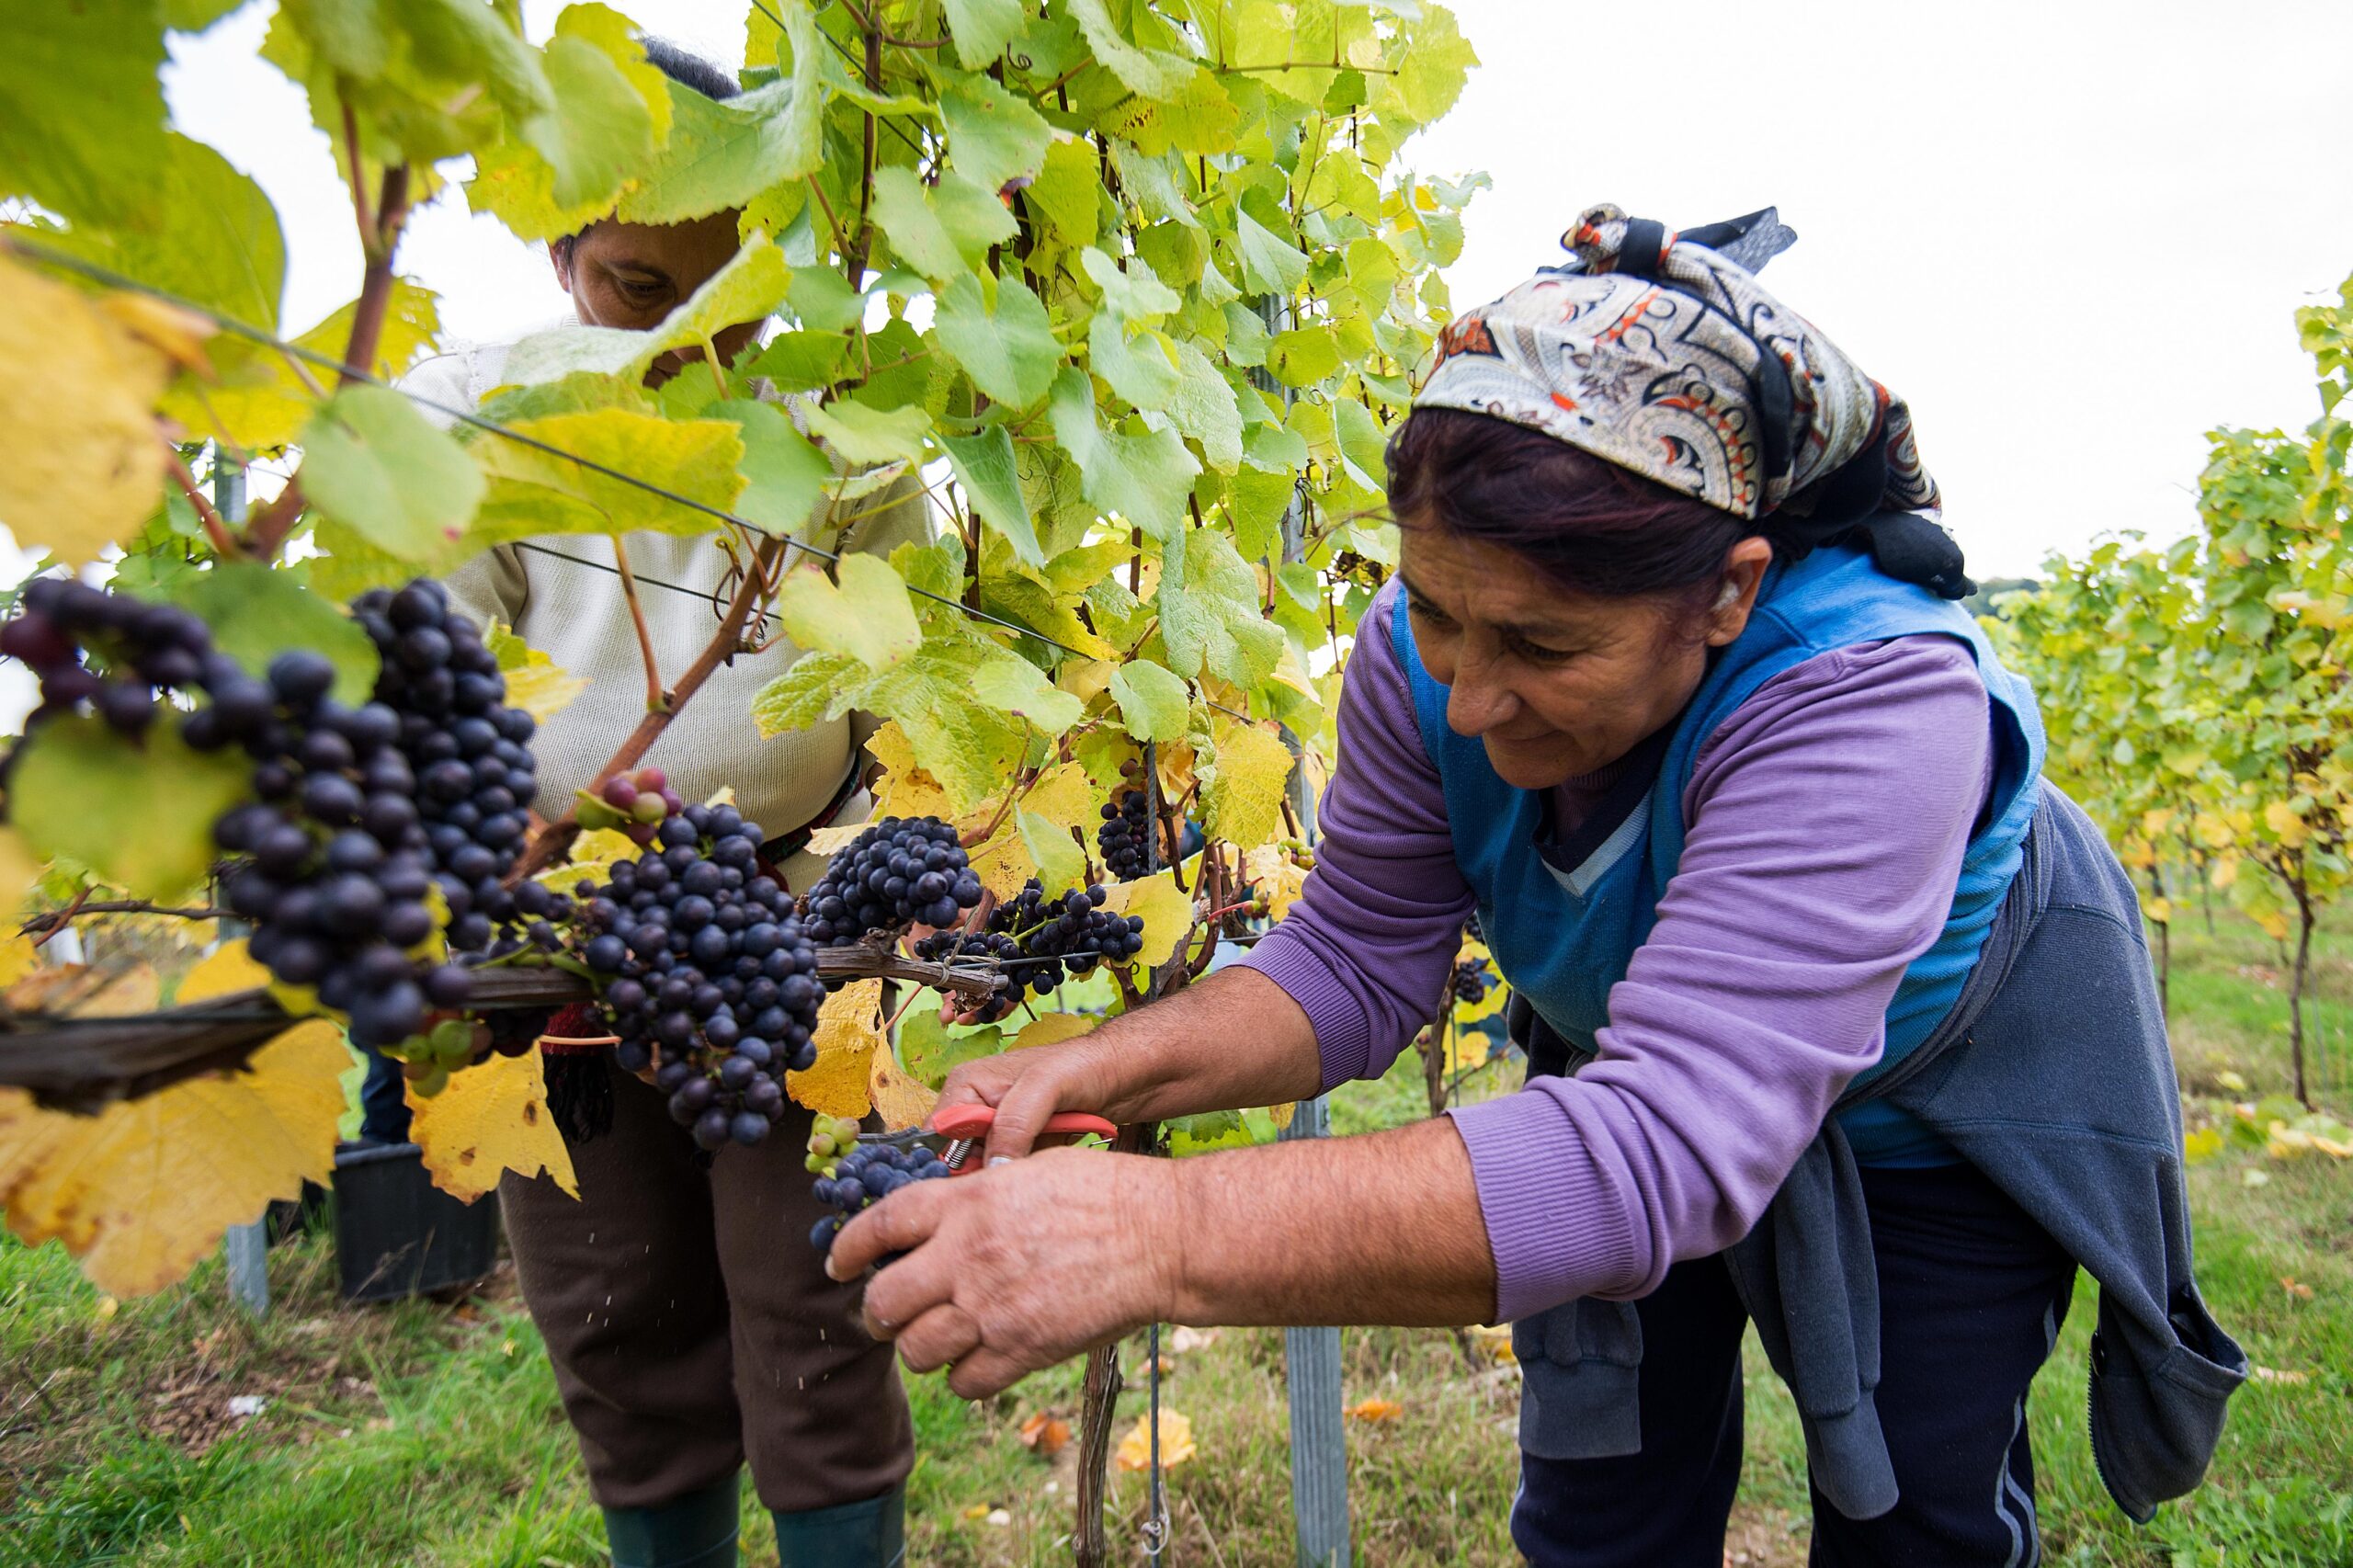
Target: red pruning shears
[955,1129]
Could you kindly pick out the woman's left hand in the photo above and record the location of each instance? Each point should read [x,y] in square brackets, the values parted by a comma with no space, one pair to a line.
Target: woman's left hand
[1018,1267]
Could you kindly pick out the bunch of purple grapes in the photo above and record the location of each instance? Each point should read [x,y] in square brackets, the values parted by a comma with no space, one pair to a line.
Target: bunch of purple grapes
[898,872]
[1472,979]
[707,970]
[1041,939]
[1125,836]
[868,1174]
[144,647]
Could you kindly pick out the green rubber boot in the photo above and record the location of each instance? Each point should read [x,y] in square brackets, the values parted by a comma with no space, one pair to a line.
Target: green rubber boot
[871,1534]
[696,1531]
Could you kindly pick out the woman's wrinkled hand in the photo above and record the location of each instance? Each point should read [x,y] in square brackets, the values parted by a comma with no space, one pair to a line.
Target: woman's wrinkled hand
[1020,1267]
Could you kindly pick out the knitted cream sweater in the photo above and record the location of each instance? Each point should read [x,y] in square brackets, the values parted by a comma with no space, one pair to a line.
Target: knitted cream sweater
[578,617]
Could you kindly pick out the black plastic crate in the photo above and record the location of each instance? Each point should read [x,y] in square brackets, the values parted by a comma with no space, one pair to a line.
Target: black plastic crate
[397,1235]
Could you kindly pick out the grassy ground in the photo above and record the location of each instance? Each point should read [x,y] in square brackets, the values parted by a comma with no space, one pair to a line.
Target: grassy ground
[429,1434]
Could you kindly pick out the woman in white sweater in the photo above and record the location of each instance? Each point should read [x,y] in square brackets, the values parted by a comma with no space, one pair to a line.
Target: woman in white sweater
[690,1324]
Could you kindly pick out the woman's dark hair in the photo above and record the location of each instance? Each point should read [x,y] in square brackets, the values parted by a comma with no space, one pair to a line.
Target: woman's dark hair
[687,69]
[1585,523]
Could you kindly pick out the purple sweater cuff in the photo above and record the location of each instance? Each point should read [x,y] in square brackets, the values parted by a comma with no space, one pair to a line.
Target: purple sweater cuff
[1343,1030]
[1556,1225]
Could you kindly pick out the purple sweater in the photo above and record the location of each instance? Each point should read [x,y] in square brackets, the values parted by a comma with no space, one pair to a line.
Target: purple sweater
[1826,820]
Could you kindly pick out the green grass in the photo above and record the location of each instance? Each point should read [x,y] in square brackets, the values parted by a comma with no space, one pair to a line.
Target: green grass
[429,1434]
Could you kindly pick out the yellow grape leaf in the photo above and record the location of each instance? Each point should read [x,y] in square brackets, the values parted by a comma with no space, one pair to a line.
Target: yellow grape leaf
[2230,1081]
[1466,1049]
[226,968]
[18,958]
[491,1118]
[2158,910]
[905,790]
[849,1026]
[2285,825]
[535,682]
[1062,797]
[1275,874]
[143,1190]
[898,1100]
[2155,821]
[1167,914]
[593,854]
[1245,798]
[1176,1442]
[2225,871]
[1053,1027]
[834,840]
[2274,923]
[1494,1340]
[81,461]
[1283,1113]
[1375,1409]
[2201,1145]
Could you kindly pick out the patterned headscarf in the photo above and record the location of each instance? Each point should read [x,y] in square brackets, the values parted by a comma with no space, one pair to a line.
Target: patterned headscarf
[1659,352]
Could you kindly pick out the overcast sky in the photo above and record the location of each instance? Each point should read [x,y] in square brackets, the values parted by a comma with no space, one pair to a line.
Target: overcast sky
[2072,235]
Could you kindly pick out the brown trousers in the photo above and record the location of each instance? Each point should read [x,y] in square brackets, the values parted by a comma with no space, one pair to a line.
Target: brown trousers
[692,1325]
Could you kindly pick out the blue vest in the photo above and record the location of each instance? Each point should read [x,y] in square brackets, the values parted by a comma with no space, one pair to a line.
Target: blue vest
[1564,916]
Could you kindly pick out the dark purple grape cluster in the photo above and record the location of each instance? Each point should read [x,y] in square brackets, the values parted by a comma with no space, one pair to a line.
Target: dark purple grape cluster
[869,1173]
[473,775]
[1473,978]
[143,646]
[949,947]
[1125,837]
[1070,933]
[705,965]
[899,872]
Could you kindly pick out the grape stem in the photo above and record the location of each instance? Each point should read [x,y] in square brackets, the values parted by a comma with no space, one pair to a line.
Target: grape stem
[656,699]
[549,843]
[224,543]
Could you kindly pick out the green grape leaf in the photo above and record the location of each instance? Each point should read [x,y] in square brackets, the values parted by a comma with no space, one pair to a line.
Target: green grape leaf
[374,463]
[802,361]
[596,130]
[1257,501]
[983,29]
[1208,611]
[823,299]
[218,243]
[82,111]
[784,473]
[1303,356]
[1011,683]
[863,434]
[1009,351]
[986,466]
[537,492]
[868,617]
[257,612]
[994,135]
[1270,264]
[1205,408]
[942,230]
[1364,447]
[1150,72]
[195,15]
[1061,863]
[1141,368]
[1276,446]
[1430,72]
[1201,120]
[1144,478]
[722,156]
[1372,273]
[1152,183]
[930,1049]
[1134,295]
[1067,193]
[1153,704]
[138,813]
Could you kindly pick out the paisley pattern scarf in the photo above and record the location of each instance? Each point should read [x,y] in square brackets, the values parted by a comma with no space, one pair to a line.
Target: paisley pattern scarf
[1660,352]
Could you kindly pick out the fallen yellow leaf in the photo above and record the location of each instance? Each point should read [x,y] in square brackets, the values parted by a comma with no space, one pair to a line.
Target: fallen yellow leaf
[1375,1409]
[146,1188]
[1176,1442]
[491,1118]
[849,1026]
[1045,1434]
[2295,1287]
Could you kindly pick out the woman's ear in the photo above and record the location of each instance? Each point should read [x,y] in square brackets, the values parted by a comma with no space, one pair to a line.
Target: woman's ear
[560,257]
[1743,573]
